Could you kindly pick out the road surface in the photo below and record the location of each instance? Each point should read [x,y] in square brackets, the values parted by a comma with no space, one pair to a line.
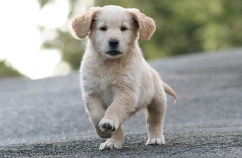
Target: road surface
[46,118]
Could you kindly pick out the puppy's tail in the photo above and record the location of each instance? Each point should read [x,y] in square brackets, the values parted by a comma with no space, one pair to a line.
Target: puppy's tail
[169,90]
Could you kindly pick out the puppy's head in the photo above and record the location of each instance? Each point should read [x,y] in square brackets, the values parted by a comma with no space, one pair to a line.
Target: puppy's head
[113,30]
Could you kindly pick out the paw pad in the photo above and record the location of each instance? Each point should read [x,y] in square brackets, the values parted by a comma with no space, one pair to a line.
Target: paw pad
[106,127]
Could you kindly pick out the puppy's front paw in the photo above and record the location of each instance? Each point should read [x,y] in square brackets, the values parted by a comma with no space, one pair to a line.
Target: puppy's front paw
[153,141]
[110,144]
[107,125]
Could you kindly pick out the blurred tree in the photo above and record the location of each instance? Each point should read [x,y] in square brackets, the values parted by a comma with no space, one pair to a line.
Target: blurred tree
[70,47]
[182,27]
[7,71]
[189,26]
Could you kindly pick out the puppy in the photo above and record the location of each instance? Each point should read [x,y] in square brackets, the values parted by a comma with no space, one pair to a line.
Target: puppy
[115,78]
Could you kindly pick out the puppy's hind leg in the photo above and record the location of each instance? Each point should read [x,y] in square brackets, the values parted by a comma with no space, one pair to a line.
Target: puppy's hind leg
[96,110]
[155,118]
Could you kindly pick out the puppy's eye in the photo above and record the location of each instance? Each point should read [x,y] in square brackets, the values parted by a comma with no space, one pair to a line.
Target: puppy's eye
[104,28]
[123,28]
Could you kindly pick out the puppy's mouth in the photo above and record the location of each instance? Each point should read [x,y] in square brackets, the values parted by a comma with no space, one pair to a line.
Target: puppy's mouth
[113,52]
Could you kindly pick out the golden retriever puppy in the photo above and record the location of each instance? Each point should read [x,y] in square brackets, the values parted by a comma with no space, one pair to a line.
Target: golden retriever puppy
[116,80]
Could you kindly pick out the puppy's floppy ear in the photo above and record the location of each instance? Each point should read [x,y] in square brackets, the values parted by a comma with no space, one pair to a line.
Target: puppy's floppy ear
[81,25]
[146,24]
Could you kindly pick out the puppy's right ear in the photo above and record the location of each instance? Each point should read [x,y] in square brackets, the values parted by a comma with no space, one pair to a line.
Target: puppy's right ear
[81,25]
[146,24]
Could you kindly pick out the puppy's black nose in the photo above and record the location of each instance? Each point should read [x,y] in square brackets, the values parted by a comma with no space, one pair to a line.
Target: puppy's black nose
[113,42]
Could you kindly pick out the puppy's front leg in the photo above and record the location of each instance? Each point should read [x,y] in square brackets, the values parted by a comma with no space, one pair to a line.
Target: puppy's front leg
[115,141]
[119,110]
[115,115]
[96,110]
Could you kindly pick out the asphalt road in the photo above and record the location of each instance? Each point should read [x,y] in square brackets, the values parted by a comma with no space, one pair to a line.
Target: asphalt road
[46,118]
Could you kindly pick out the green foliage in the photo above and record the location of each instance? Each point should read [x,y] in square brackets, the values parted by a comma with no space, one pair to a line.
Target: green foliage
[42,3]
[7,71]
[188,26]
[183,26]
[71,48]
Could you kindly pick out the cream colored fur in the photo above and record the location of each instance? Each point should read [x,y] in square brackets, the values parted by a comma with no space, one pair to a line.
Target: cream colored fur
[117,86]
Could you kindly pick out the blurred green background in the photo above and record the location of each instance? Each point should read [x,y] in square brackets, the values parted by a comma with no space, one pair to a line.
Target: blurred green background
[6,70]
[183,26]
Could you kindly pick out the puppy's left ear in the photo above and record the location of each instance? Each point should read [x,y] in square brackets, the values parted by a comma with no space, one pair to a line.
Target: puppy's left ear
[146,24]
[81,25]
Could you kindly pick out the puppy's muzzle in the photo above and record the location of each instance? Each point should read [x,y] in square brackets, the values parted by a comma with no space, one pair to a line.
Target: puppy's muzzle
[113,52]
[113,43]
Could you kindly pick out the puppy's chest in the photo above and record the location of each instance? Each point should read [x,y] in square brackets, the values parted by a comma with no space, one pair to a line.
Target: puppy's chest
[100,83]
